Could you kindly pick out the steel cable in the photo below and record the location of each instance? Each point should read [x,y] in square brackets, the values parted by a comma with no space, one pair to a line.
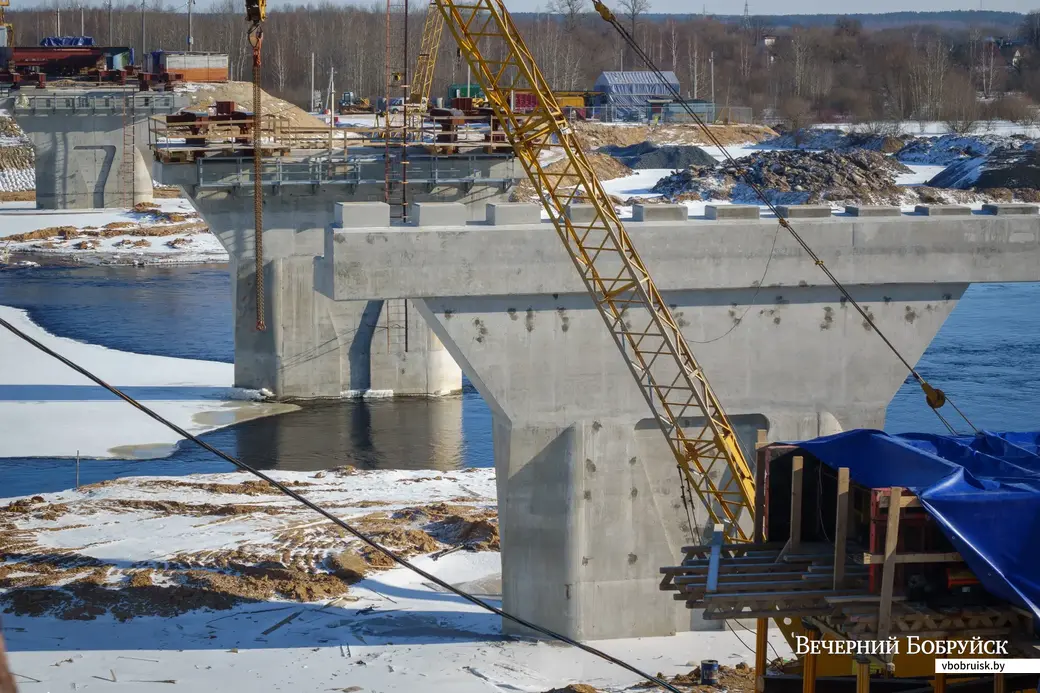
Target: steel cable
[335,520]
[934,397]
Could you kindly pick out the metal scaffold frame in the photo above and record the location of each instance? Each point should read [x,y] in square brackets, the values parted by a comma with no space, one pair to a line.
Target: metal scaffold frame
[639,320]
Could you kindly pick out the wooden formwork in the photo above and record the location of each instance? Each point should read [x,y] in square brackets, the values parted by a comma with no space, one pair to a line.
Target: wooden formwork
[830,559]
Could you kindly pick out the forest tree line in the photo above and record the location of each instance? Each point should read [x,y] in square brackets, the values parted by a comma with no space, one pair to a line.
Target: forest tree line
[798,73]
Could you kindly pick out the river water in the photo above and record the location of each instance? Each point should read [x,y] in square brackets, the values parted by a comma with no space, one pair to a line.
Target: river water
[985,357]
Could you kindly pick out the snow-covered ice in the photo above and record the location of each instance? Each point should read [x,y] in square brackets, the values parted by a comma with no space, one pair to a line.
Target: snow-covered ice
[49,410]
[919,175]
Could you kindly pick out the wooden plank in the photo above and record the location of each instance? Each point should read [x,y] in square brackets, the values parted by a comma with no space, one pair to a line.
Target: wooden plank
[797,466]
[888,571]
[760,489]
[713,566]
[905,501]
[879,559]
[841,527]
[761,651]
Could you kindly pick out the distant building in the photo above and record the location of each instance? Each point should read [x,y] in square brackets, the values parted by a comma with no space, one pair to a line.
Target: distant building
[628,92]
[769,41]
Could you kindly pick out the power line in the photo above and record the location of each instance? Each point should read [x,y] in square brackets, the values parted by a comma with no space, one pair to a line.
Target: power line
[332,518]
[935,397]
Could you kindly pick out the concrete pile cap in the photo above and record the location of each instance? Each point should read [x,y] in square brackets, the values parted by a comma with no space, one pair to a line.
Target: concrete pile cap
[506,213]
[581,212]
[1004,208]
[732,212]
[941,210]
[872,211]
[362,215]
[804,211]
[662,212]
[438,214]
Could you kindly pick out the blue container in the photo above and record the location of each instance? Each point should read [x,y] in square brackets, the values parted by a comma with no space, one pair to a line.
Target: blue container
[709,672]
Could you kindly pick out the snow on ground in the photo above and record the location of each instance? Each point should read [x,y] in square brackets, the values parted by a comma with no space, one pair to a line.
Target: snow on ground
[934,128]
[192,241]
[921,174]
[389,631]
[48,410]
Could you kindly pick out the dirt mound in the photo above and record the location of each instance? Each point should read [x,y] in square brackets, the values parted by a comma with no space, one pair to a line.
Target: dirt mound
[650,155]
[739,678]
[792,177]
[575,688]
[832,138]
[604,165]
[593,135]
[205,95]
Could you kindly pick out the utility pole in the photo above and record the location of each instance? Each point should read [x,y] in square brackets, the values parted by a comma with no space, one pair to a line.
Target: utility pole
[57,19]
[82,31]
[712,61]
[190,40]
[144,36]
[110,25]
[312,84]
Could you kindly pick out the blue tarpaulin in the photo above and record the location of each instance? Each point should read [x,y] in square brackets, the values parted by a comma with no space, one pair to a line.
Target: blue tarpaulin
[67,41]
[983,490]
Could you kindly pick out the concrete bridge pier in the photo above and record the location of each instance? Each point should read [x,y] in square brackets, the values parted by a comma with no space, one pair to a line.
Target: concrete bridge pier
[79,138]
[315,346]
[589,506]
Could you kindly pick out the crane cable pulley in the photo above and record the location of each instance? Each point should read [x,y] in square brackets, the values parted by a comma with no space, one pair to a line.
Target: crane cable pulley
[935,397]
[256,39]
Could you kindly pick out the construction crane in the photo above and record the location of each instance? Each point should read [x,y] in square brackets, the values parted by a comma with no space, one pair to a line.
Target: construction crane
[422,78]
[711,463]
[6,28]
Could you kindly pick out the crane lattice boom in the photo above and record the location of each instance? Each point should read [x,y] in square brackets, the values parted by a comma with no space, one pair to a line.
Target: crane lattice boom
[638,318]
[422,79]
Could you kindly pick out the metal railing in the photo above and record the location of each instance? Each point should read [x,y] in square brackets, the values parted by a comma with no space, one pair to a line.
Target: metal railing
[665,113]
[107,103]
[238,172]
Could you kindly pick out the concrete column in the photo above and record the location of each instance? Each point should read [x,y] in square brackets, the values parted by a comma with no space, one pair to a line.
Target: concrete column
[317,347]
[589,500]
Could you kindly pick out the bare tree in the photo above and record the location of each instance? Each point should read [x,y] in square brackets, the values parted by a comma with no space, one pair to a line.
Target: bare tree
[632,9]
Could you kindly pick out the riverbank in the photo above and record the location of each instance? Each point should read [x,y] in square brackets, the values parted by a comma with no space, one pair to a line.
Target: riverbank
[211,580]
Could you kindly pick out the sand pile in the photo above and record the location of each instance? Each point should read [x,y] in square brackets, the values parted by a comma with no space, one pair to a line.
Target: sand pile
[593,135]
[205,95]
[605,166]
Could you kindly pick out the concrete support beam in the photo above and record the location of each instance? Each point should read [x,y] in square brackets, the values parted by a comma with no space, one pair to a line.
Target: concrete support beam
[718,212]
[1005,209]
[661,212]
[941,210]
[588,505]
[872,211]
[506,213]
[804,211]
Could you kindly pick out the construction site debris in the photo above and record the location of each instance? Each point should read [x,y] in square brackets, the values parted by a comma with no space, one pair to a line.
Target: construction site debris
[738,679]
[650,155]
[792,177]
[938,151]
[17,159]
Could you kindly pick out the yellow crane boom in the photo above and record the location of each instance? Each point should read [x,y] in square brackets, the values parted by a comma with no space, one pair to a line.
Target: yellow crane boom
[640,322]
[422,79]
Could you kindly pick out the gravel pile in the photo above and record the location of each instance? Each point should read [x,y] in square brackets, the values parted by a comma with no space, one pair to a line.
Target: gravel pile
[649,155]
[17,172]
[823,138]
[793,177]
[941,151]
[1007,167]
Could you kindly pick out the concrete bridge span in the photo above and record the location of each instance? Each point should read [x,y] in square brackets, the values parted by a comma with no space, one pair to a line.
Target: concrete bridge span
[589,508]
